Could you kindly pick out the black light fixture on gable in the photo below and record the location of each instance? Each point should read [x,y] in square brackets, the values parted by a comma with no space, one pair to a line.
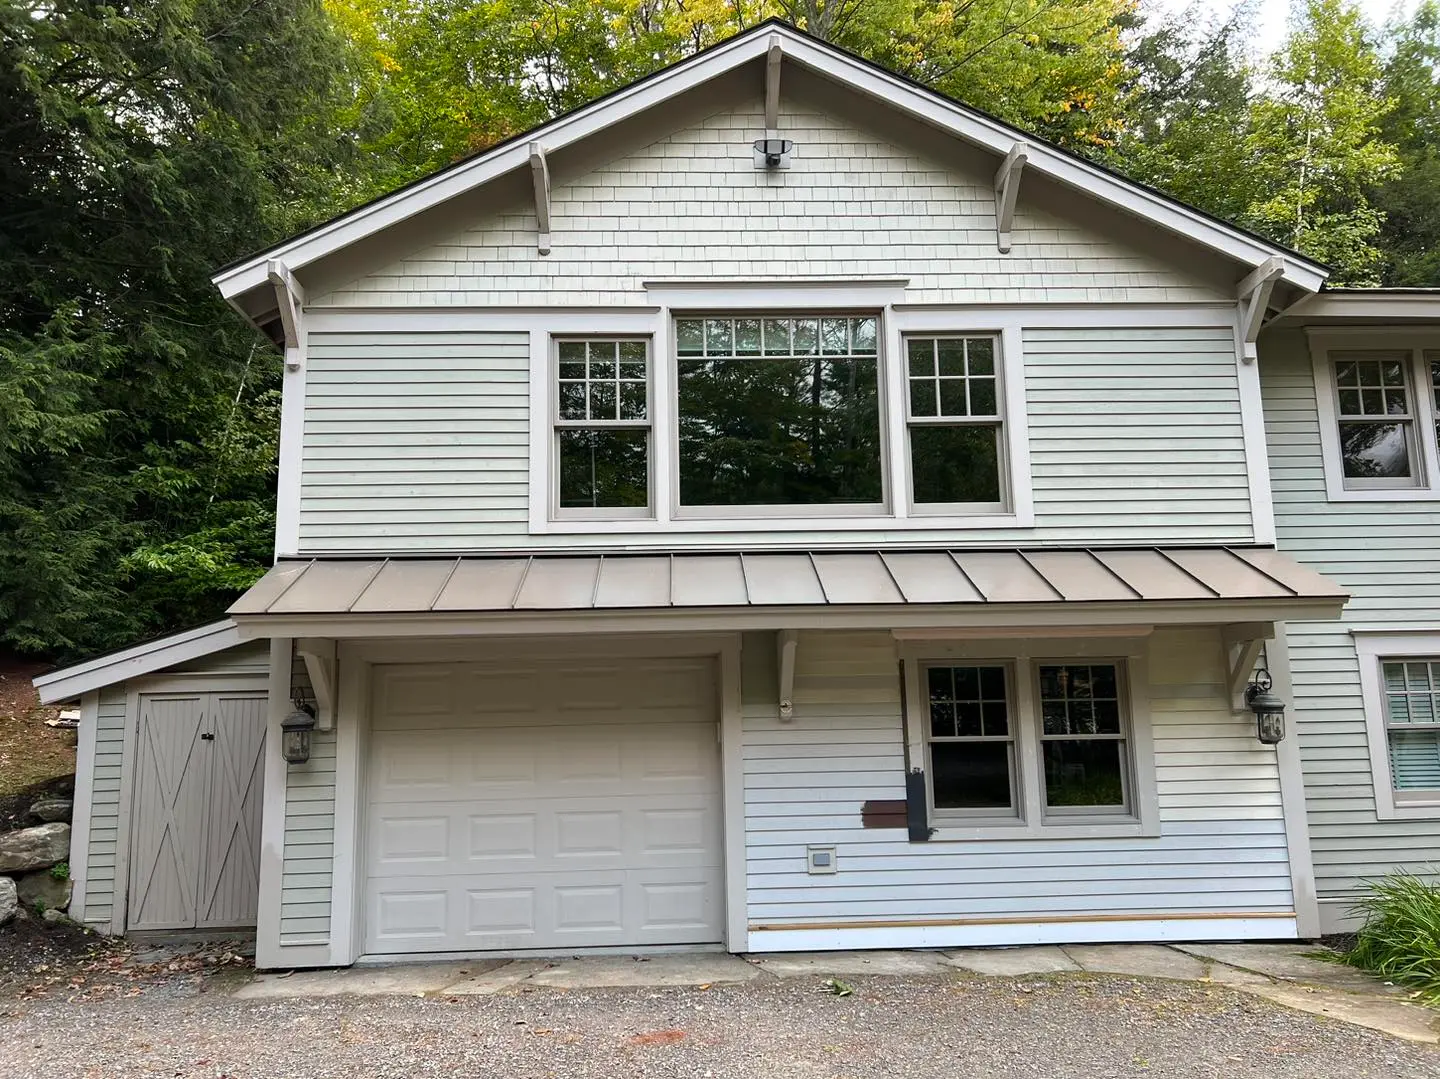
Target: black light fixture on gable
[1269,709]
[295,730]
[773,150]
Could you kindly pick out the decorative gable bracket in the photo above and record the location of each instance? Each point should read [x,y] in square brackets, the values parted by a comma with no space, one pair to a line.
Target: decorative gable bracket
[540,173]
[1007,189]
[290,299]
[1253,296]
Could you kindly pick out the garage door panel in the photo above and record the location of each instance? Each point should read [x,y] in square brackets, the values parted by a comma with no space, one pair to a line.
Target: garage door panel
[592,819]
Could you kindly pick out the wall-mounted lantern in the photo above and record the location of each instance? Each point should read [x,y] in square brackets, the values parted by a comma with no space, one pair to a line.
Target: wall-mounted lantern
[1269,709]
[295,729]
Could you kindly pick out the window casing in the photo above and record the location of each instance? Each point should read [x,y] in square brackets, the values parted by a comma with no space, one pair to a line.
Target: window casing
[1029,743]
[1400,688]
[1378,399]
[953,416]
[602,443]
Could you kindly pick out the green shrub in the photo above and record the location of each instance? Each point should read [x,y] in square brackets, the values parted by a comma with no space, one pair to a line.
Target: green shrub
[1400,939]
[60,871]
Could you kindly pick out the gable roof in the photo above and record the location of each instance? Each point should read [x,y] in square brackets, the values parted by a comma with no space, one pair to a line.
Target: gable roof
[141,659]
[906,96]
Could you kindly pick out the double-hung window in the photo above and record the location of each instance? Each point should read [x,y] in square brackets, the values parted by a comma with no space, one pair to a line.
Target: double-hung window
[953,418]
[1007,739]
[602,427]
[1379,403]
[1400,688]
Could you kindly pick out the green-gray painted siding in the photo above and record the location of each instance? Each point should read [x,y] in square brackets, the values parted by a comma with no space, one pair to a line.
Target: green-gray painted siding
[308,870]
[1387,554]
[418,442]
[105,807]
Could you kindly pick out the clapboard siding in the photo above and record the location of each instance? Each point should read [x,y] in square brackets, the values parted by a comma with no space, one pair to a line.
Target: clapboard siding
[854,202]
[307,874]
[1135,437]
[1387,554]
[105,807]
[1223,848]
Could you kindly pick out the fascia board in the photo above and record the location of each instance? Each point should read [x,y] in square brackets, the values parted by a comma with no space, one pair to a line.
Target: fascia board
[69,682]
[915,101]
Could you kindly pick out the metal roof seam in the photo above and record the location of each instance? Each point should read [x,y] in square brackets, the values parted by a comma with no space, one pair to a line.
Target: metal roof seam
[308,566]
[1260,570]
[366,586]
[885,565]
[1112,571]
[520,584]
[745,580]
[819,580]
[444,584]
[1162,553]
[1041,574]
[595,584]
[968,579]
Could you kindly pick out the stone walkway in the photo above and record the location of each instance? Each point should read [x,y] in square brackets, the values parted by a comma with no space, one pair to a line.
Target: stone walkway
[1285,974]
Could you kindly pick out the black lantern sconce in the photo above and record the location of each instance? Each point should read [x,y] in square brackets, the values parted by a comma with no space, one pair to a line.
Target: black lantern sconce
[295,729]
[1269,709]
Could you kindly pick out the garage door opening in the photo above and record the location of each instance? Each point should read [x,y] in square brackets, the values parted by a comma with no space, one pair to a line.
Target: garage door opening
[546,806]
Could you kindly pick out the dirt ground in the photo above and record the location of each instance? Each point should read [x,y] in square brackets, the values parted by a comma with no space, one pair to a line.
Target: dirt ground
[35,760]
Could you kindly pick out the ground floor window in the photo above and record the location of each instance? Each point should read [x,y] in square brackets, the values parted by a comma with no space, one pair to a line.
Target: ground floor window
[994,729]
[1400,687]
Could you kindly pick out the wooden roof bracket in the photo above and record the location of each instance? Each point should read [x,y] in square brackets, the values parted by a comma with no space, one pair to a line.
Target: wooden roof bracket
[786,641]
[1243,642]
[1253,298]
[1007,189]
[319,657]
[290,299]
[540,173]
[773,56]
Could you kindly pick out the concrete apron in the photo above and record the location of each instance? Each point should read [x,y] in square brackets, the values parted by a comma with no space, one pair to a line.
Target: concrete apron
[1284,974]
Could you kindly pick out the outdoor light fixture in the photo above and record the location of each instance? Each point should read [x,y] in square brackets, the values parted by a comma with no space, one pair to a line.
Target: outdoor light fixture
[1269,709]
[296,728]
[772,150]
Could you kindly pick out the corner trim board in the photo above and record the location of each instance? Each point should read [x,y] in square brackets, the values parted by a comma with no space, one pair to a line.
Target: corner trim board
[84,802]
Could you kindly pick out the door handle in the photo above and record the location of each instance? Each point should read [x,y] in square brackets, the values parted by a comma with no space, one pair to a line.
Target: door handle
[208,736]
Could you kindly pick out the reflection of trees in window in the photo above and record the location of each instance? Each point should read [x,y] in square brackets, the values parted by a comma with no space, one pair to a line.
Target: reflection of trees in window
[1376,424]
[602,425]
[1081,736]
[778,411]
[953,414]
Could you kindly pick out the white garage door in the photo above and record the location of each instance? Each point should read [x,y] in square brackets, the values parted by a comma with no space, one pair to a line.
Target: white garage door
[544,806]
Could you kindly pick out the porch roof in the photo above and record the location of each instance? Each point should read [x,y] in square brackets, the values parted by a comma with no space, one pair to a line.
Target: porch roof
[1210,583]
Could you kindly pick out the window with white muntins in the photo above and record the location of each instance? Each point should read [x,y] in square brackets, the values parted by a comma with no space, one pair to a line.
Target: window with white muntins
[1378,399]
[769,416]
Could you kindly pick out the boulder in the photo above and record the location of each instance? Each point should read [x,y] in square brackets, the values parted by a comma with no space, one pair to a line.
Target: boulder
[55,916]
[9,900]
[51,810]
[43,890]
[34,848]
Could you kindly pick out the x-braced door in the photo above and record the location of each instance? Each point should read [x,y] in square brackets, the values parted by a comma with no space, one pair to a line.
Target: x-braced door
[195,826]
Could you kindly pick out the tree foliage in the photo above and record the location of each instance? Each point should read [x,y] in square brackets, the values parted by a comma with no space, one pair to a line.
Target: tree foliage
[143,143]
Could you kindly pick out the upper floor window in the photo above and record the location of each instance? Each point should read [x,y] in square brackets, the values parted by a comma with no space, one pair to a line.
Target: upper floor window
[1379,409]
[602,427]
[954,422]
[779,411]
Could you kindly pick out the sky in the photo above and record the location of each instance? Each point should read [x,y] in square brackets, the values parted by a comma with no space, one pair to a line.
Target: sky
[1271,15]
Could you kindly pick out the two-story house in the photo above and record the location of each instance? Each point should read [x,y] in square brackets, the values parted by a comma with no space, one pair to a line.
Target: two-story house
[773,507]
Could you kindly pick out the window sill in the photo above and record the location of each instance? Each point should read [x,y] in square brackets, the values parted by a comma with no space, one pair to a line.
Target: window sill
[1382,494]
[817,523]
[952,831]
[1410,811]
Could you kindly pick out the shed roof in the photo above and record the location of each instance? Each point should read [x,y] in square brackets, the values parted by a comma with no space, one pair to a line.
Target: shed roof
[359,589]
[66,683]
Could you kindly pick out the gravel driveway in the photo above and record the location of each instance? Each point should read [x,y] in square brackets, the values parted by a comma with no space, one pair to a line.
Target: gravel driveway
[1071,1025]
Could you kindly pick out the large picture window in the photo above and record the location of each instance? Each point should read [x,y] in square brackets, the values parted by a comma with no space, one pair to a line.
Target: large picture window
[602,427]
[779,411]
[953,415]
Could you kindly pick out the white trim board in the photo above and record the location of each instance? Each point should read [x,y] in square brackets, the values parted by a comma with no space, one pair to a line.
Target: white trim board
[79,859]
[753,46]
[1371,649]
[1021,932]
[121,666]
